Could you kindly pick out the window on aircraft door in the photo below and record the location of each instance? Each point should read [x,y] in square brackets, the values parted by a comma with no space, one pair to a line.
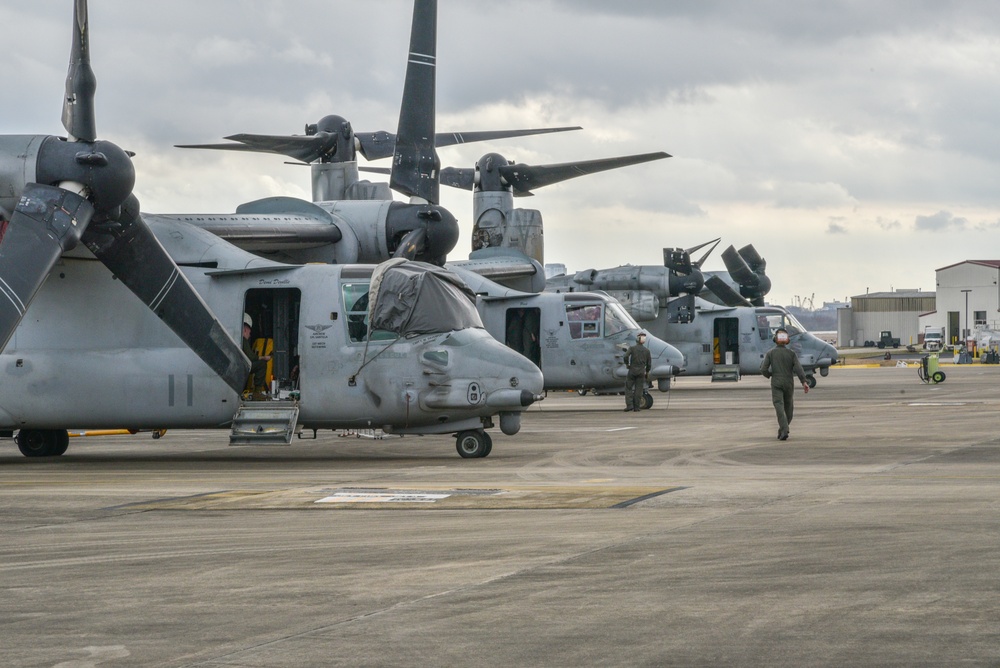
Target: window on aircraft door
[356,304]
[584,321]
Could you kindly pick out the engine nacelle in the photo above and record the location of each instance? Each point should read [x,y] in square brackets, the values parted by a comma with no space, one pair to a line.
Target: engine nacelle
[18,167]
[641,304]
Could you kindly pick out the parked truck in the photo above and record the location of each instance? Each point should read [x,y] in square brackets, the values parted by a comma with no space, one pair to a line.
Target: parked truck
[933,338]
[887,340]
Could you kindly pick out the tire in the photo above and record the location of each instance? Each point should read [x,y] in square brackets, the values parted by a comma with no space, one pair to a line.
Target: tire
[62,443]
[489,444]
[647,400]
[811,381]
[880,345]
[938,376]
[471,443]
[42,442]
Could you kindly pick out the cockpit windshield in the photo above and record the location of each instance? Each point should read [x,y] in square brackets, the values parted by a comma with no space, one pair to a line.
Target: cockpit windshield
[617,319]
[770,320]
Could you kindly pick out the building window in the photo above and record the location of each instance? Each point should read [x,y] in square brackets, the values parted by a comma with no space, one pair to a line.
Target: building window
[980,317]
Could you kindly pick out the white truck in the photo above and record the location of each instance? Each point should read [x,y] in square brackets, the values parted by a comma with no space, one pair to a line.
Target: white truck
[933,338]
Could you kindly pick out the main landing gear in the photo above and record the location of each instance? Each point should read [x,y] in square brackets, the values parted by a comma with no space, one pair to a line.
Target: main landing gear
[42,442]
[810,380]
[473,443]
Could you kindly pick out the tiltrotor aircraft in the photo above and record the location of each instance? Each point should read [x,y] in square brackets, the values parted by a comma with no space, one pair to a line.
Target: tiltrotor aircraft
[331,149]
[578,340]
[729,334]
[399,347]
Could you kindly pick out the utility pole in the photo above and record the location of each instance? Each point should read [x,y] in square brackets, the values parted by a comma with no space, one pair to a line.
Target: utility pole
[965,336]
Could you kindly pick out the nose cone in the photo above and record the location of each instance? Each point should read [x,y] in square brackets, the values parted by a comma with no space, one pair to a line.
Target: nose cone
[830,352]
[511,370]
[664,353]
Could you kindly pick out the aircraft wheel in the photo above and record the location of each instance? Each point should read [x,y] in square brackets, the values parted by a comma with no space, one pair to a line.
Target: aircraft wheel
[582,393]
[489,444]
[471,444]
[938,376]
[647,400]
[811,381]
[42,442]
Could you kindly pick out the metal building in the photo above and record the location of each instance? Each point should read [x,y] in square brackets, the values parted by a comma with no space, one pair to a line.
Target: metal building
[870,314]
[968,296]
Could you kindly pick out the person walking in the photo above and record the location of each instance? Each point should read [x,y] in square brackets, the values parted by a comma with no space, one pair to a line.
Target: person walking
[638,360]
[780,365]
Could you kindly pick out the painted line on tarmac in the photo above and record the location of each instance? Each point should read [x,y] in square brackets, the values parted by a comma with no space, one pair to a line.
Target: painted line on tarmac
[620,429]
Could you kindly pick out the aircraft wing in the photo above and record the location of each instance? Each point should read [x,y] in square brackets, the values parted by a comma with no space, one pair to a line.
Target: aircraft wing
[505,266]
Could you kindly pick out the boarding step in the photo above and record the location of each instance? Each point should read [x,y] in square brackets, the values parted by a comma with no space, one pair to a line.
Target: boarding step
[264,423]
[729,373]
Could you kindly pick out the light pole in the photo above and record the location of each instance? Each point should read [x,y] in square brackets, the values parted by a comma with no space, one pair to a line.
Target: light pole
[965,335]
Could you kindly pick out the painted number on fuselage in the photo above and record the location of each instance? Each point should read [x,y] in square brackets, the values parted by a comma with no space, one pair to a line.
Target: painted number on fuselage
[475,393]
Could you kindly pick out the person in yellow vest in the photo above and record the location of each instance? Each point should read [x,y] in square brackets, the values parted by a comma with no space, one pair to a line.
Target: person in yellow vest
[780,365]
[258,363]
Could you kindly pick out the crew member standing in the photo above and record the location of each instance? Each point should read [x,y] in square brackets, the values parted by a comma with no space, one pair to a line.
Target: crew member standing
[780,365]
[638,360]
[258,363]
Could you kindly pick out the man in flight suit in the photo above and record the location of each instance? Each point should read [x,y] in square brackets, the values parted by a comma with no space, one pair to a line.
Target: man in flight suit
[780,364]
[258,363]
[638,360]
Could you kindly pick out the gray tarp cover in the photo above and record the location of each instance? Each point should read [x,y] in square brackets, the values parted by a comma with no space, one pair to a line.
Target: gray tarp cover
[410,297]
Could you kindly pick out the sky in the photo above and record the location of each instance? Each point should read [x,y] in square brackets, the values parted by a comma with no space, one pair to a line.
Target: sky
[856,145]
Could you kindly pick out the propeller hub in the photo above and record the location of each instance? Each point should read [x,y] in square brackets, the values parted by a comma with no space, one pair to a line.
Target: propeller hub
[440,225]
[102,167]
[489,178]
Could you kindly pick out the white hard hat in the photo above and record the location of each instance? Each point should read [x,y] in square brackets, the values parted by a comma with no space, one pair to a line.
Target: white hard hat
[247,320]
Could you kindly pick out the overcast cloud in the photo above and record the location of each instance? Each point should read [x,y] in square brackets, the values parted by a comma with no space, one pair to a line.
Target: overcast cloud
[855,144]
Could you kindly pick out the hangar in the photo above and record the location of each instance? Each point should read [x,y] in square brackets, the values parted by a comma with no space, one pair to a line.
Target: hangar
[968,297]
[869,314]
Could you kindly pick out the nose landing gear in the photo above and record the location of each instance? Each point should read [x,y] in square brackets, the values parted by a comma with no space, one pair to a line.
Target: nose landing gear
[473,443]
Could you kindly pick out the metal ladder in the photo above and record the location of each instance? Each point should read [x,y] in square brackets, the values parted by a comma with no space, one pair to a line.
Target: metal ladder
[264,423]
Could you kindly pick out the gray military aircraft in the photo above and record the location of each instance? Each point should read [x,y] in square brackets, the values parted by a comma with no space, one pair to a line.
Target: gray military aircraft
[729,335]
[399,347]
[508,242]
[578,340]
[351,220]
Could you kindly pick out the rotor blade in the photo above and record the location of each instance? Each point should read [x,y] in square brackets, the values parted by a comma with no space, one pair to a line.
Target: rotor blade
[463,178]
[525,178]
[78,115]
[723,291]
[415,162]
[382,170]
[452,138]
[738,268]
[677,260]
[306,148]
[753,258]
[128,248]
[46,221]
[699,263]
[412,243]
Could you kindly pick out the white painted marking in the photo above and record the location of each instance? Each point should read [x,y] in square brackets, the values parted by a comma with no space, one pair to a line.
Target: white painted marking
[382,497]
[620,429]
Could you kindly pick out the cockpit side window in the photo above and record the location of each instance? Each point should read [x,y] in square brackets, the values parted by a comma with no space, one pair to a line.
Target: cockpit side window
[584,320]
[617,319]
[356,306]
[768,323]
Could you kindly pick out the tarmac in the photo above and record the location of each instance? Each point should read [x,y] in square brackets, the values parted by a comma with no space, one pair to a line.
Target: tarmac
[683,535]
